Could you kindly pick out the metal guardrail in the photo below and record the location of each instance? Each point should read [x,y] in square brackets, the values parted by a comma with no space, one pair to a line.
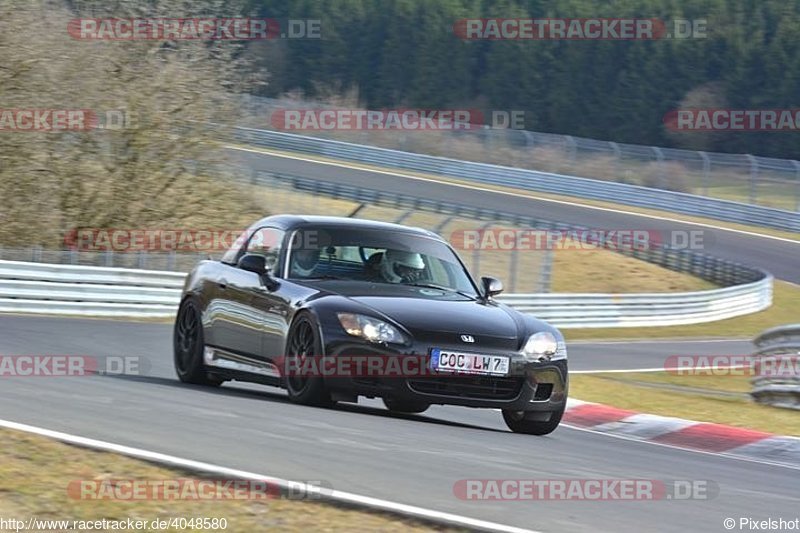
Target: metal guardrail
[97,291]
[781,389]
[45,288]
[746,178]
[167,260]
[531,180]
[638,310]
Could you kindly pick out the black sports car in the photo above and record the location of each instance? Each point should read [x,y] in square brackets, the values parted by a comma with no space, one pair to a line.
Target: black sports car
[336,308]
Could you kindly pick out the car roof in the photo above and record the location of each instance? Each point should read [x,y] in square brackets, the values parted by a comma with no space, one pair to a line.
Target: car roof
[291,222]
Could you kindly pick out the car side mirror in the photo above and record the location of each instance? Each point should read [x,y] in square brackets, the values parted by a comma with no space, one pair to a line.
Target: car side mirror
[491,286]
[258,265]
[253,263]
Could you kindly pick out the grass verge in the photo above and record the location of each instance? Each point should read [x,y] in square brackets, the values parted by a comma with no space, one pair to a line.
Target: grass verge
[722,399]
[35,473]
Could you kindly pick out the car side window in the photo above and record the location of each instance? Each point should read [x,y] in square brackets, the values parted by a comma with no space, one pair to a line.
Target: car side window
[231,256]
[266,242]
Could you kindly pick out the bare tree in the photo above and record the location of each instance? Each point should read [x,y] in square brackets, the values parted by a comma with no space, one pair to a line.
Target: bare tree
[163,166]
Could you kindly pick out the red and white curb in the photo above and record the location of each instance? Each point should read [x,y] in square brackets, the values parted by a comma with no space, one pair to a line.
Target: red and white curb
[680,433]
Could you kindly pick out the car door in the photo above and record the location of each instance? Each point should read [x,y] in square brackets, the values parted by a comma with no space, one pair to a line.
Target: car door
[269,303]
[241,320]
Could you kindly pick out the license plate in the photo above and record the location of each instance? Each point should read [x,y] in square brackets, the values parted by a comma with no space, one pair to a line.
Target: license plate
[469,363]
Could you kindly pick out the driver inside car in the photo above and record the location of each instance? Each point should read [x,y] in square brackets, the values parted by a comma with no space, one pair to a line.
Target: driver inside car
[304,262]
[401,267]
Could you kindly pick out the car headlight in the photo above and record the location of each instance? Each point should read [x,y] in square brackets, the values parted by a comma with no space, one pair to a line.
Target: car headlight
[544,346]
[369,328]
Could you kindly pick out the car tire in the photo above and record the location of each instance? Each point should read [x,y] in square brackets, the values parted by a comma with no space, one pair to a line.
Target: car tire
[527,423]
[406,407]
[304,340]
[188,344]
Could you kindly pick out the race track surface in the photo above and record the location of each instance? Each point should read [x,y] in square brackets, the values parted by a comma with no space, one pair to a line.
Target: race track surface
[364,449]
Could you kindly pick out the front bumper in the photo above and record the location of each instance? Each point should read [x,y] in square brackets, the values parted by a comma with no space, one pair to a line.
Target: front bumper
[529,386]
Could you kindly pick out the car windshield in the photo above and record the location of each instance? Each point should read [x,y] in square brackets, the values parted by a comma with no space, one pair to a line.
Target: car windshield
[376,256]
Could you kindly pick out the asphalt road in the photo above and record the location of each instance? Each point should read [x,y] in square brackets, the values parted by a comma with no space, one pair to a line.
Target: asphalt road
[363,449]
[780,257]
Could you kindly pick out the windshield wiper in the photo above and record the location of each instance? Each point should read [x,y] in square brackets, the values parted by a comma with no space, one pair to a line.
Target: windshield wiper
[317,278]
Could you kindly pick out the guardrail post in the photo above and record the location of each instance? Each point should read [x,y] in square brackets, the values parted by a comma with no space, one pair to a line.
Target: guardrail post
[109,258]
[141,260]
[36,254]
[706,171]
[753,177]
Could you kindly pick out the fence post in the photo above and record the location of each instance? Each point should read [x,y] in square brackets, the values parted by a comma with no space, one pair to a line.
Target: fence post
[476,255]
[753,177]
[660,163]
[546,272]
[617,159]
[403,216]
[440,227]
[706,171]
[573,149]
[529,142]
[513,267]
[796,185]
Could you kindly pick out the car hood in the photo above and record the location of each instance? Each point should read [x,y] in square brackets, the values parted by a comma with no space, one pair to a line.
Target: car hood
[468,317]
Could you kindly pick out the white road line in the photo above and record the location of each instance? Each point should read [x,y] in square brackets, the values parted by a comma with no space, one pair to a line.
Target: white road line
[661,369]
[509,193]
[660,341]
[335,495]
